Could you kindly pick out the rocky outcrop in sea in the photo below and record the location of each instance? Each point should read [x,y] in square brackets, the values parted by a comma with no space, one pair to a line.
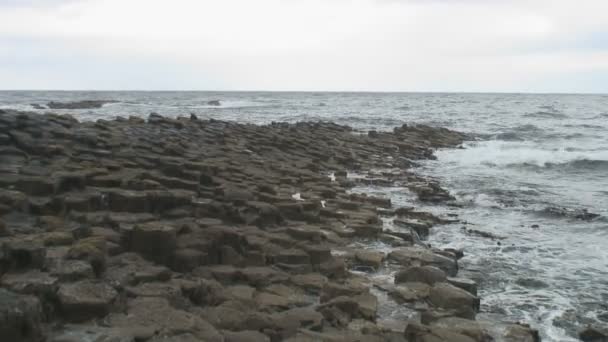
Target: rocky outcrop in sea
[202,230]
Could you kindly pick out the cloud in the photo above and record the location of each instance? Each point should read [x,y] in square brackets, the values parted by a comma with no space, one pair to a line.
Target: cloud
[388,45]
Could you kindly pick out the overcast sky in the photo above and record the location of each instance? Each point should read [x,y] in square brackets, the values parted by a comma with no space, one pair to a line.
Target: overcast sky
[371,45]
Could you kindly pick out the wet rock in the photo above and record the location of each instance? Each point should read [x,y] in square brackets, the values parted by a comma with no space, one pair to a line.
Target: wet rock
[531,283]
[369,258]
[420,227]
[84,104]
[86,300]
[472,329]
[333,268]
[466,284]
[20,317]
[521,333]
[349,289]
[593,334]
[425,274]
[409,292]
[483,234]
[214,103]
[416,256]
[446,296]
[579,214]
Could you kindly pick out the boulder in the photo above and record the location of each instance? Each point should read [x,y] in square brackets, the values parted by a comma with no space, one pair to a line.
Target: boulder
[422,274]
[446,296]
[84,104]
[521,333]
[20,317]
[372,259]
[86,300]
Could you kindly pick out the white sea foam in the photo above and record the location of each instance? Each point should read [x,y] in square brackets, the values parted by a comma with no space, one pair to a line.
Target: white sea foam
[506,153]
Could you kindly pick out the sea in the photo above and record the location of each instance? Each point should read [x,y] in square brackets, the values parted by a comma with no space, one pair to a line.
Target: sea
[534,174]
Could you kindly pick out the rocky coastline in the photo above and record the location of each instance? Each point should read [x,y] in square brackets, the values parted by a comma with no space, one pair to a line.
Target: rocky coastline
[202,230]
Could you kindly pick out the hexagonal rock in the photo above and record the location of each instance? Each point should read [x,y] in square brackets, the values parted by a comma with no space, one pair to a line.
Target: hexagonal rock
[20,317]
[157,313]
[415,332]
[32,282]
[86,300]
[425,274]
[155,241]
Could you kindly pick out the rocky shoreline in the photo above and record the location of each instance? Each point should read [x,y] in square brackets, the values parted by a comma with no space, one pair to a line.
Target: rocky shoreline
[202,230]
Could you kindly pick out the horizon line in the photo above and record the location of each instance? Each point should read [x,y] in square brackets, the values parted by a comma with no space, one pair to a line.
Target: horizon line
[310,91]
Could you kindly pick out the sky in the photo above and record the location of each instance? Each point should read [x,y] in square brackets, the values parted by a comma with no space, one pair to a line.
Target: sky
[305,45]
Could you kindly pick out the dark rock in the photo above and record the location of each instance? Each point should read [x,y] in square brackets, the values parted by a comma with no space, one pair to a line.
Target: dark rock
[20,317]
[592,334]
[24,253]
[85,104]
[154,240]
[214,103]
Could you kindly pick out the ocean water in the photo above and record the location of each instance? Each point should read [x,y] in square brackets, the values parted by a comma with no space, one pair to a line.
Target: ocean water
[536,166]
